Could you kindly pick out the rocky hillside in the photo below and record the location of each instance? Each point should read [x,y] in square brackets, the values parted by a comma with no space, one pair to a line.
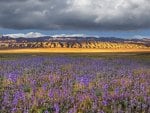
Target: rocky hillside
[73,42]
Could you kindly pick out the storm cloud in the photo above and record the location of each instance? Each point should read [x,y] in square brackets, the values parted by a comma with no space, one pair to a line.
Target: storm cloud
[75,14]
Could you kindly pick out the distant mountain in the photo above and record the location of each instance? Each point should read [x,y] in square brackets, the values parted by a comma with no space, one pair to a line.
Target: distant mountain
[74,38]
[27,35]
[71,42]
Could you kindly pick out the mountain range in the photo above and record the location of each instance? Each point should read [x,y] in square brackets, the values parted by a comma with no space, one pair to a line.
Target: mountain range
[72,42]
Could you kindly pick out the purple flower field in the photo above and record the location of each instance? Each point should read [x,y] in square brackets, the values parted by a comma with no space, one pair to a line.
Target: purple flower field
[75,83]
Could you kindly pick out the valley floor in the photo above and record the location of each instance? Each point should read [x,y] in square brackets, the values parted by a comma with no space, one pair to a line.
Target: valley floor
[69,50]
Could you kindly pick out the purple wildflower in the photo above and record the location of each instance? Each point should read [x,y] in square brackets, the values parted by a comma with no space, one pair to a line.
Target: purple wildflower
[56,106]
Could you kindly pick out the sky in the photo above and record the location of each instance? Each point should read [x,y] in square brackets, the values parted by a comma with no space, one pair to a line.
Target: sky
[116,18]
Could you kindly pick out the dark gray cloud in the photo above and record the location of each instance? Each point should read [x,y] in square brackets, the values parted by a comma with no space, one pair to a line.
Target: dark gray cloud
[75,14]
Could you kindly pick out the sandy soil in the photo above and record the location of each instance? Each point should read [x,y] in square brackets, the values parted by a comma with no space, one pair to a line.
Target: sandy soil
[69,50]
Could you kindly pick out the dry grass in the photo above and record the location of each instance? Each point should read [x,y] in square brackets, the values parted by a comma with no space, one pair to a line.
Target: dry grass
[70,50]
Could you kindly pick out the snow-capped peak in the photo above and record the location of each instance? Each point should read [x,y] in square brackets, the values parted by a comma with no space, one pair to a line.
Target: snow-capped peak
[73,35]
[27,35]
